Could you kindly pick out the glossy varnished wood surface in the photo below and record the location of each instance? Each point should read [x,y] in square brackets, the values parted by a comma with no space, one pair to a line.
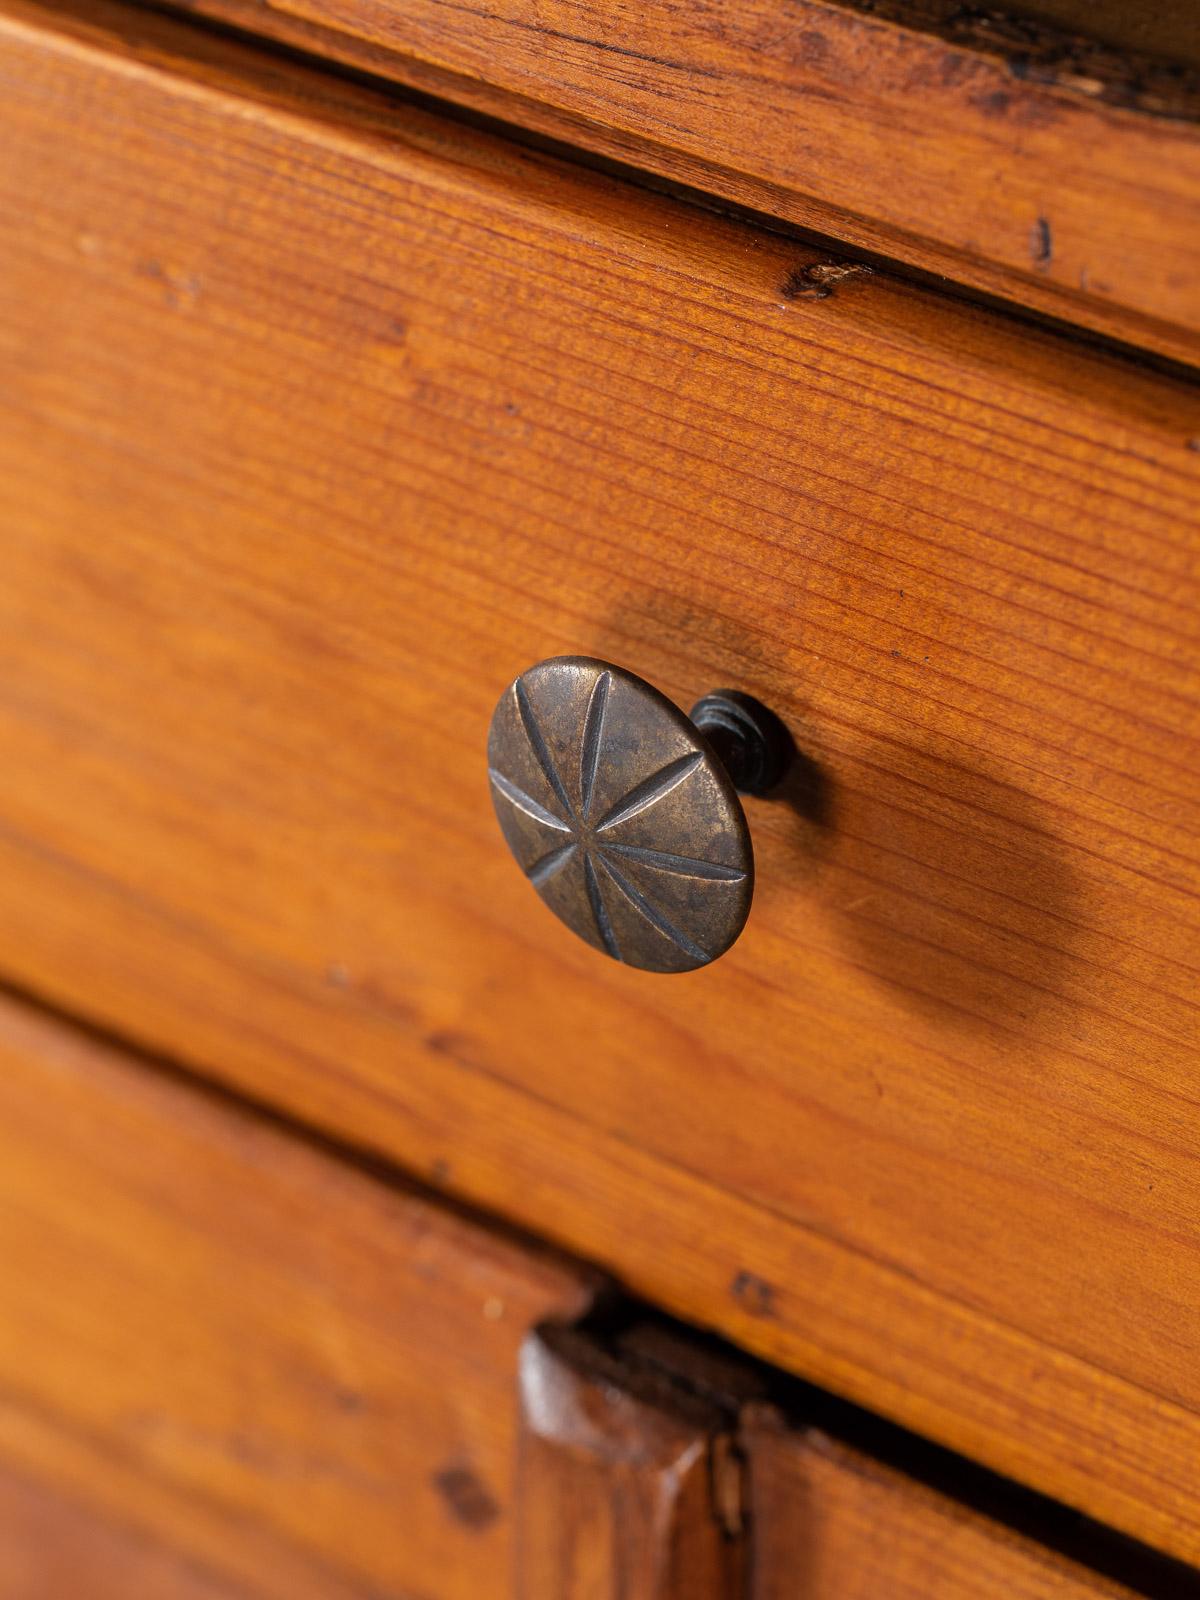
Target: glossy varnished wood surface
[320,420]
[832,1524]
[232,1367]
[1055,172]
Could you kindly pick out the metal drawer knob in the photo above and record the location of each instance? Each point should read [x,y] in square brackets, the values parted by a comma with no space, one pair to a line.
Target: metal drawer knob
[624,814]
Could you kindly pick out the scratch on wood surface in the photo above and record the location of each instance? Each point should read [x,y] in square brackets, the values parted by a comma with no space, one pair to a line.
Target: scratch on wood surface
[1041,243]
[820,279]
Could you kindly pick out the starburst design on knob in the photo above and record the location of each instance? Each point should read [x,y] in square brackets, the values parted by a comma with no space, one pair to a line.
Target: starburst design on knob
[592,845]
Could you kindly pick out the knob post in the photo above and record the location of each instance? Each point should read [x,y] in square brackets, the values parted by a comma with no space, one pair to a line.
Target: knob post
[752,744]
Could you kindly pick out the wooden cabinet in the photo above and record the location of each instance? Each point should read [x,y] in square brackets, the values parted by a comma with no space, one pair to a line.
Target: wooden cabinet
[234,1363]
[325,410]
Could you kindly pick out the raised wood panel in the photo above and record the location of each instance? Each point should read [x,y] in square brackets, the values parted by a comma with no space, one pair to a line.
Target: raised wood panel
[619,1483]
[964,141]
[319,420]
[231,1366]
[832,1524]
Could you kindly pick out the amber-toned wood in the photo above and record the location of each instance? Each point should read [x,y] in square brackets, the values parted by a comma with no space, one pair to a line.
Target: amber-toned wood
[54,1547]
[320,420]
[619,1486]
[230,1365]
[832,1524]
[1028,164]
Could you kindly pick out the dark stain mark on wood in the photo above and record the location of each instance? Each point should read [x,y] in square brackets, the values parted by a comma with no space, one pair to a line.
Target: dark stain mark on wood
[1041,243]
[993,104]
[1017,106]
[448,1042]
[381,325]
[755,1294]
[810,46]
[180,289]
[467,1497]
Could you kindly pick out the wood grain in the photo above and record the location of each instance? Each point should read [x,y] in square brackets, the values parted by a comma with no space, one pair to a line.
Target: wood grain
[319,420]
[1056,172]
[54,1546]
[230,1366]
[830,1521]
[616,1488]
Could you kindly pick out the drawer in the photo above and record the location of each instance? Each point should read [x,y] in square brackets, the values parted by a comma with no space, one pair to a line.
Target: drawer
[321,418]
[812,1500]
[831,1519]
[231,1365]
[237,1363]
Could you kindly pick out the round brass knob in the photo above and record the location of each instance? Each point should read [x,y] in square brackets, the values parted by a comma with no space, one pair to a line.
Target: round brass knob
[624,814]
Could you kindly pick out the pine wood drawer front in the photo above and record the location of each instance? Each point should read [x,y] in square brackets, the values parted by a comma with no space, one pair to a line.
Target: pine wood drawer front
[231,1367]
[319,420]
[832,1521]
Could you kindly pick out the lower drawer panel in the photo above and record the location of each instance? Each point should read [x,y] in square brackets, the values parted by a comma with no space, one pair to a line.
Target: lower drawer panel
[835,1524]
[234,1366]
[231,1366]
